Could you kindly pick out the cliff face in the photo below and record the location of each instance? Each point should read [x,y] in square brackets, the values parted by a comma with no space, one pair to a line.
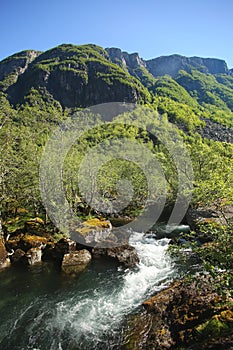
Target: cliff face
[124,59]
[80,76]
[76,76]
[171,65]
[13,66]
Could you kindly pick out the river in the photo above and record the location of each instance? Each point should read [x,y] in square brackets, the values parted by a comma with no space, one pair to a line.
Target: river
[41,309]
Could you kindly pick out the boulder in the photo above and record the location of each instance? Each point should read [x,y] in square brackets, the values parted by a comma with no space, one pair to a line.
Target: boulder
[174,317]
[17,256]
[124,254]
[93,231]
[197,216]
[4,260]
[63,246]
[26,242]
[33,256]
[76,262]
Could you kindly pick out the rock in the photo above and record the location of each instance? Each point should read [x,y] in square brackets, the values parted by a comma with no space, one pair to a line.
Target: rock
[64,246]
[93,231]
[197,216]
[214,131]
[33,256]
[75,262]
[164,231]
[26,242]
[15,65]
[125,254]
[172,317]
[4,260]
[34,227]
[172,64]
[17,256]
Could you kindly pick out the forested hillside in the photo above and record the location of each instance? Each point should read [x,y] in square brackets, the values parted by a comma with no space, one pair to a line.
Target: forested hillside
[39,90]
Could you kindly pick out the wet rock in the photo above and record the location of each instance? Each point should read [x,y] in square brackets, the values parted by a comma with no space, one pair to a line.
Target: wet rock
[17,256]
[4,260]
[172,318]
[26,242]
[64,246]
[33,256]
[76,262]
[125,254]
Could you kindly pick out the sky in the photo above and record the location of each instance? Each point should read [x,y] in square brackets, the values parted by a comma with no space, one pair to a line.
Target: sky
[152,28]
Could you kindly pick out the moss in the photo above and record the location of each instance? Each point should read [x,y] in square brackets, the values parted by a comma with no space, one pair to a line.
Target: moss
[218,325]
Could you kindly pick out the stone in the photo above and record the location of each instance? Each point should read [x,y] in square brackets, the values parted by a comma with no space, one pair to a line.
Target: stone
[35,227]
[94,231]
[124,254]
[17,256]
[76,262]
[33,256]
[173,316]
[26,242]
[4,260]
[64,246]
[196,216]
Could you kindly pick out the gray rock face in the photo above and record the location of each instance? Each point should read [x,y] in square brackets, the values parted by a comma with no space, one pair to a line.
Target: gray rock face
[216,132]
[172,64]
[117,57]
[125,254]
[75,262]
[124,59]
[16,65]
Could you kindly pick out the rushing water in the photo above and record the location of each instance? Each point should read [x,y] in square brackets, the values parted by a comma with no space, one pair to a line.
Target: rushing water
[41,309]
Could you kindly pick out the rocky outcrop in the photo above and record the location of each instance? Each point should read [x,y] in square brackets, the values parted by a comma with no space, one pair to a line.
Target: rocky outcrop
[196,216]
[17,256]
[214,131]
[124,254]
[14,66]
[26,242]
[172,64]
[177,316]
[76,262]
[124,59]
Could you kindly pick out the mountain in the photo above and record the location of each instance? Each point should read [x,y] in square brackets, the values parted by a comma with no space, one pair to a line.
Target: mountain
[194,92]
[76,76]
[80,76]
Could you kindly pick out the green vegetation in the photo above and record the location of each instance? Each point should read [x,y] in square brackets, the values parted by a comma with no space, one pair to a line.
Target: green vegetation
[59,82]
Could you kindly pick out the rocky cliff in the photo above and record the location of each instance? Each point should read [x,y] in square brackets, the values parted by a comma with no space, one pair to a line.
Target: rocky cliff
[171,65]
[13,66]
[76,76]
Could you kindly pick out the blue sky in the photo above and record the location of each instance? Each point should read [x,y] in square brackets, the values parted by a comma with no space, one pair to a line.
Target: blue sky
[152,28]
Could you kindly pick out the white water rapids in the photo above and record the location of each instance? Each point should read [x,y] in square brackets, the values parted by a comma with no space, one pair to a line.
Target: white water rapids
[91,316]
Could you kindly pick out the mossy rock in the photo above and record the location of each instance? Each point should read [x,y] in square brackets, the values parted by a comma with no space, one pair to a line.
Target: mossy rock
[94,224]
